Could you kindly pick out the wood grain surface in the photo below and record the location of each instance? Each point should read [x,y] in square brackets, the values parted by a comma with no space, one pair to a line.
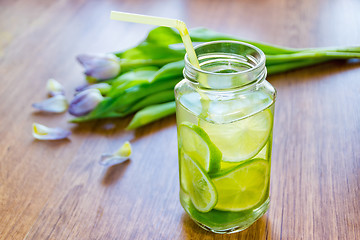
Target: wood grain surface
[57,190]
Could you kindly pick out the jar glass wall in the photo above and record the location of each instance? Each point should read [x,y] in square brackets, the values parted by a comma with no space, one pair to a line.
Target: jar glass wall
[225,118]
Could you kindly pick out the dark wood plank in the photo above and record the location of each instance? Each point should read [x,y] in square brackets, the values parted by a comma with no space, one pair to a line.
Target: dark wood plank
[56,190]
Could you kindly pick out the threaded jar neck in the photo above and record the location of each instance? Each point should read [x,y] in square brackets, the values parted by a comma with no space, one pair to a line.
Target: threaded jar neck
[226,65]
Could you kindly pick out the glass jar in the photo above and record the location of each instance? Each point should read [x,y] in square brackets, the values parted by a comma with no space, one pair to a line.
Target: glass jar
[225,113]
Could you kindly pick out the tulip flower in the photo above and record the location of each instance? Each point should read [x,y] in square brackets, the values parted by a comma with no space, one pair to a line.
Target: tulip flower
[84,102]
[100,66]
[42,132]
[55,104]
[119,156]
[54,88]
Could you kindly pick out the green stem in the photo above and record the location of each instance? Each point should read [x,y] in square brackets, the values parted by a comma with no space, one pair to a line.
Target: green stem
[134,94]
[127,65]
[284,67]
[157,98]
[353,49]
[120,104]
[274,59]
[151,114]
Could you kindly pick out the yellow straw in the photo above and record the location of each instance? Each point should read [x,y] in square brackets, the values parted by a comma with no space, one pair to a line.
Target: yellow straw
[160,21]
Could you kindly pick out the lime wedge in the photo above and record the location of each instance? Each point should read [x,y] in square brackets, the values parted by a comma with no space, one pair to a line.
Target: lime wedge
[243,139]
[242,187]
[197,183]
[195,142]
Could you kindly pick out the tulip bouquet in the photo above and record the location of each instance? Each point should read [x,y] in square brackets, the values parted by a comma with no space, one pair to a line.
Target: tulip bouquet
[141,79]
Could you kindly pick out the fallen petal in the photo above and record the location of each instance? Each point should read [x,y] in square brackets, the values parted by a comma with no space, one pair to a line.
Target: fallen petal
[54,88]
[56,104]
[118,157]
[124,150]
[42,132]
[110,160]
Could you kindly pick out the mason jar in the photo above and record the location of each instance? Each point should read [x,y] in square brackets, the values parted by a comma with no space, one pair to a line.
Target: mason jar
[225,113]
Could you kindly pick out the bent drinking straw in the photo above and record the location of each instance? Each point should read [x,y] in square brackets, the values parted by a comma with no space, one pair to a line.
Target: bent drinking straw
[161,21]
[167,22]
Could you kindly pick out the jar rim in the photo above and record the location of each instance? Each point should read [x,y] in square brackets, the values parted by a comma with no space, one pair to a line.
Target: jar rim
[259,64]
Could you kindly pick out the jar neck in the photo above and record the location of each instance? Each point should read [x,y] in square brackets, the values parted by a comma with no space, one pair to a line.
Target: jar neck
[226,65]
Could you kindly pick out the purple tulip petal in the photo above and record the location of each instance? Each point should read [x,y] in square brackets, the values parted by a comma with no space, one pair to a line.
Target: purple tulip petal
[102,87]
[42,132]
[104,70]
[56,104]
[85,102]
[100,66]
[81,87]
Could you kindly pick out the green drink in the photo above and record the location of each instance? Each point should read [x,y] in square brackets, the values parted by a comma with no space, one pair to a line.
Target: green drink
[225,118]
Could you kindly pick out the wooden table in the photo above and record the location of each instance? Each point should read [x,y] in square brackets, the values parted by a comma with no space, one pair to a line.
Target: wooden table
[57,190]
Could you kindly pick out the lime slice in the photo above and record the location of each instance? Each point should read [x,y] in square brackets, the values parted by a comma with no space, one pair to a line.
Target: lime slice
[243,139]
[198,185]
[242,187]
[216,219]
[195,142]
[183,172]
